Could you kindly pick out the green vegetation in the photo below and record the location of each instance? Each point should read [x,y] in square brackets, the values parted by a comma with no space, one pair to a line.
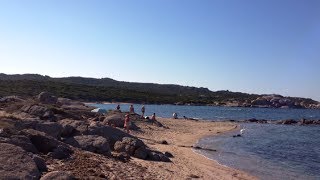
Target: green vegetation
[90,89]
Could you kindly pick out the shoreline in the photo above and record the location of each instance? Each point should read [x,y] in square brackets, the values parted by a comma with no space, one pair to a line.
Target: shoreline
[181,135]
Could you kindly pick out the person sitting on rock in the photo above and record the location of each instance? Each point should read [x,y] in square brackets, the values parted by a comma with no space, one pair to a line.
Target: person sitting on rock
[175,116]
[153,117]
[131,109]
[118,107]
[127,123]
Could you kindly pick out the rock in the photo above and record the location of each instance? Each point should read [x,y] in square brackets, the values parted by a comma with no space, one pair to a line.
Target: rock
[61,152]
[120,146]
[157,156]
[41,140]
[40,162]
[163,142]
[51,128]
[21,141]
[47,98]
[39,111]
[164,158]
[117,120]
[168,154]
[16,164]
[238,135]
[260,102]
[61,175]
[141,153]
[289,121]
[10,99]
[252,120]
[110,133]
[92,143]
[114,120]
[124,157]
[305,122]
[194,176]
[133,147]
[72,127]
[154,156]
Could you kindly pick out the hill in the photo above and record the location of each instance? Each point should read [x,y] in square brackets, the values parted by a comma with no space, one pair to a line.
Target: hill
[106,89]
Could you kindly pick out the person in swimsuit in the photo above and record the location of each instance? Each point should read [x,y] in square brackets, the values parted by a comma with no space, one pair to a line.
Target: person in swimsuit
[127,123]
[131,109]
[143,109]
[153,117]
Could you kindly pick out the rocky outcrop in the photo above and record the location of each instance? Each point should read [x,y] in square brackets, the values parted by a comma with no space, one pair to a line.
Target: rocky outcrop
[72,127]
[128,145]
[110,133]
[16,164]
[116,120]
[288,121]
[61,152]
[43,142]
[38,111]
[92,143]
[47,98]
[136,148]
[10,99]
[51,128]
[40,162]
[285,122]
[21,141]
[61,175]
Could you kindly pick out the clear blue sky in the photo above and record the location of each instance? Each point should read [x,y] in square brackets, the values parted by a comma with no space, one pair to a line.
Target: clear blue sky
[254,46]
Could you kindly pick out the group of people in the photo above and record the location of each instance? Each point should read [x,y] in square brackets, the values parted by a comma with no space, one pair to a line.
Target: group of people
[131,111]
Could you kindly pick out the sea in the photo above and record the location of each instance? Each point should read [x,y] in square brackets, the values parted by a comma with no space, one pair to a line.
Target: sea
[267,151]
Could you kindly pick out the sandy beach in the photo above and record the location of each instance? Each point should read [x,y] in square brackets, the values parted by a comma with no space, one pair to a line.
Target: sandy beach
[186,164]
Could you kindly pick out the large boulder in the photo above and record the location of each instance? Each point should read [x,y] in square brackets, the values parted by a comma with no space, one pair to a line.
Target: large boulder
[40,162]
[158,156]
[43,142]
[51,128]
[47,98]
[130,145]
[116,120]
[39,111]
[92,143]
[72,127]
[16,164]
[61,175]
[21,141]
[61,152]
[108,132]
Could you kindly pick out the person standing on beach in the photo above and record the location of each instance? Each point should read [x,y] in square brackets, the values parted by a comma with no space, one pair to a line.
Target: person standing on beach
[127,123]
[143,109]
[131,109]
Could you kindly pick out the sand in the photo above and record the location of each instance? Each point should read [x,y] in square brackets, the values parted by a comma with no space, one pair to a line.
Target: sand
[186,164]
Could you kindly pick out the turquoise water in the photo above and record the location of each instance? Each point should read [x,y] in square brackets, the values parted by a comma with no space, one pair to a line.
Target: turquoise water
[221,113]
[267,151]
